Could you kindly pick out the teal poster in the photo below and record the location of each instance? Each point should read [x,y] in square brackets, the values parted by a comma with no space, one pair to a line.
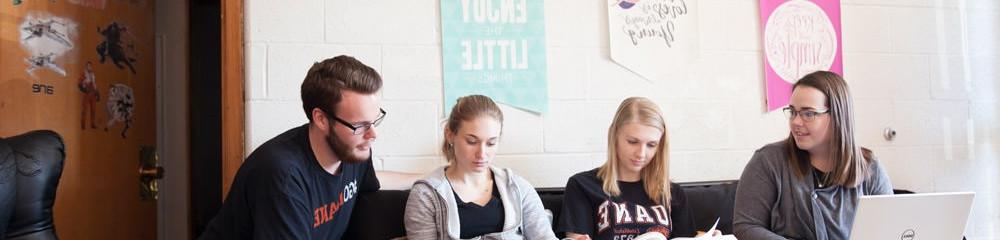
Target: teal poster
[494,48]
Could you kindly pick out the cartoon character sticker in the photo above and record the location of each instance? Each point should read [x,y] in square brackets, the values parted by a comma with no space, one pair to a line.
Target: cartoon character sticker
[46,38]
[118,44]
[88,86]
[119,106]
[48,29]
[43,61]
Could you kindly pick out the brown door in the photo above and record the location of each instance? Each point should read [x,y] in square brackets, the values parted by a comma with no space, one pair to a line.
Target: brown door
[85,69]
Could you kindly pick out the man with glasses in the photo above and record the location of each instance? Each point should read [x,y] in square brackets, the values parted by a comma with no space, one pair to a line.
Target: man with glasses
[303,183]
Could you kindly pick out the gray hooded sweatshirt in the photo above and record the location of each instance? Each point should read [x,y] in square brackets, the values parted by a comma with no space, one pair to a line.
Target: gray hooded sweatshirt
[432,211]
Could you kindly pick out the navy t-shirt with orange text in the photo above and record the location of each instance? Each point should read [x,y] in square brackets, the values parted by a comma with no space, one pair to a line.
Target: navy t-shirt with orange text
[587,209]
[281,192]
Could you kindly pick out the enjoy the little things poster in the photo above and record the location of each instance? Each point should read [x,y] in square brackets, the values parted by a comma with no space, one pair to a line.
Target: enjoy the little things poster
[799,37]
[494,48]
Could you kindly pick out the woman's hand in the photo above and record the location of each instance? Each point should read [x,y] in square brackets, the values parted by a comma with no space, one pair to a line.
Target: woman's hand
[574,236]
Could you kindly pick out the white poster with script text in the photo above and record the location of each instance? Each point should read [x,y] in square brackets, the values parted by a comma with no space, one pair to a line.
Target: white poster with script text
[653,38]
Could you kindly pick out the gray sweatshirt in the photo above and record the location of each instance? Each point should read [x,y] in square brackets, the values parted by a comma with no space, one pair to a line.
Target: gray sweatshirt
[432,211]
[772,203]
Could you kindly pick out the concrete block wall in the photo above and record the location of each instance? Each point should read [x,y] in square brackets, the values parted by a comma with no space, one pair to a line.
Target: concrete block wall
[930,69]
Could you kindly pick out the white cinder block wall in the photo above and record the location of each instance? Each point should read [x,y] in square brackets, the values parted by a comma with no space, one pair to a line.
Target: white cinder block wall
[930,69]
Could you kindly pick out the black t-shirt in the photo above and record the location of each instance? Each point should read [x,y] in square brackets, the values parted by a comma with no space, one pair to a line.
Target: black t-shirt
[588,210]
[480,220]
[281,192]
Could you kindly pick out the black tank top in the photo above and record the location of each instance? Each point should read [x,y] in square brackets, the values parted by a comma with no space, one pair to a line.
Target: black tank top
[479,220]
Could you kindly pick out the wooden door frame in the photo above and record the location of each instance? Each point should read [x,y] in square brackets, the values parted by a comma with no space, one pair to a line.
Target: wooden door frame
[233,80]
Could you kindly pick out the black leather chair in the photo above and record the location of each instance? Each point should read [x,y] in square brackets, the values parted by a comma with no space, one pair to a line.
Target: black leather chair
[30,167]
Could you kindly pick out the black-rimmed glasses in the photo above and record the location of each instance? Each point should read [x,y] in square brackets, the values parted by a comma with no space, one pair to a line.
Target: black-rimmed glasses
[359,128]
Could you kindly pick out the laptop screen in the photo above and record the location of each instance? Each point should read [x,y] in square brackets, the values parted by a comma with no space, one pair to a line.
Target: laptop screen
[912,216]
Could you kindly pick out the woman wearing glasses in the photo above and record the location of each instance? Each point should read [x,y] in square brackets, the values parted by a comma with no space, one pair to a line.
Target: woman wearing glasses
[807,186]
[469,197]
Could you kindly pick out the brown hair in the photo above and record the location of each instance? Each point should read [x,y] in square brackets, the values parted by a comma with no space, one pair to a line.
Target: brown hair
[851,162]
[325,81]
[656,175]
[468,108]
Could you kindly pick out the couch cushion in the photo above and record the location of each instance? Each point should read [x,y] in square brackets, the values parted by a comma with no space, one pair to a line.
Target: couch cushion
[552,201]
[709,201]
[378,215]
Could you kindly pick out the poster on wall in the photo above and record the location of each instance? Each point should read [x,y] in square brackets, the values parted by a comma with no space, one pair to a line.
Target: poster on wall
[495,48]
[799,37]
[653,38]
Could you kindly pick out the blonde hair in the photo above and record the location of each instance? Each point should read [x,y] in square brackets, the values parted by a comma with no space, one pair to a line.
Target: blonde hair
[851,162]
[656,175]
[468,108]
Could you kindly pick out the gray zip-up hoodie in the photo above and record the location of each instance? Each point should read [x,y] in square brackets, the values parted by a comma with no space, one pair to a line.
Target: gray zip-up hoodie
[432,211]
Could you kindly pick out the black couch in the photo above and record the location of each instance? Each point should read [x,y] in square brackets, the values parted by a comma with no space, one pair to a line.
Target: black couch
[379,215]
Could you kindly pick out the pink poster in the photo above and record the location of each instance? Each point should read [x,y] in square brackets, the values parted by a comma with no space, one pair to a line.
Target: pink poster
[799,37]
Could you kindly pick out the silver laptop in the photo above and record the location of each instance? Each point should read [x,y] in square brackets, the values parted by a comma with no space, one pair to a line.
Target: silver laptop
[923,216]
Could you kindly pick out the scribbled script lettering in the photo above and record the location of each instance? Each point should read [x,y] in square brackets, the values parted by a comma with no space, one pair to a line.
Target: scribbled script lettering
[655,20]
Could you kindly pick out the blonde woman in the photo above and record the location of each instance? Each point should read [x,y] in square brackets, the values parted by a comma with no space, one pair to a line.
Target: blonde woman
[807,186]
[631,194]
[470,198]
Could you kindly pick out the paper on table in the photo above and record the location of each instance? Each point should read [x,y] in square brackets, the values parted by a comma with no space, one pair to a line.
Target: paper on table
[651,236]
[708,234]
[712,230]
[707,237]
